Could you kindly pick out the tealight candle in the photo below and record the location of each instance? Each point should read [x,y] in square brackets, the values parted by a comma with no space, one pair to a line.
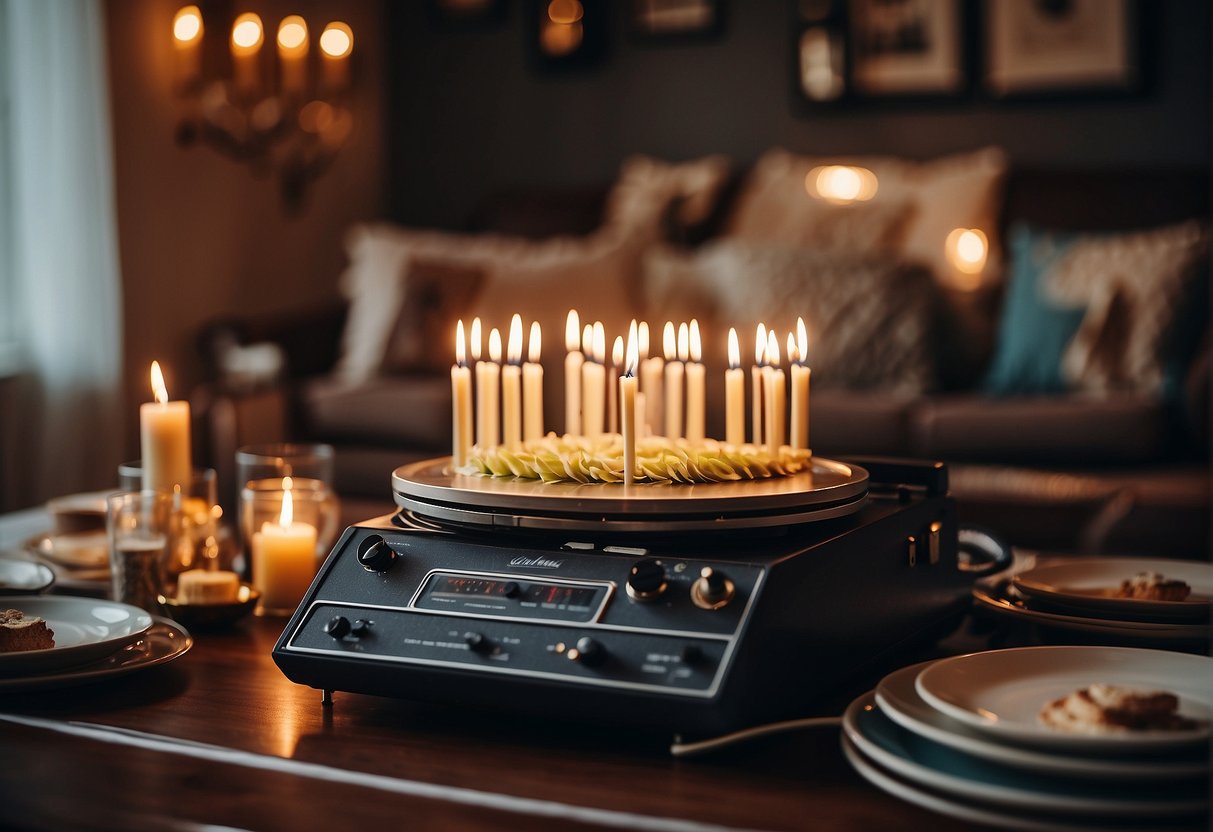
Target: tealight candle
[800,387]
[612,391]
[695,388]
[734,394]
[593,382]
[627,399]
[756,377]
[572,374]
[164,438]
[284,558]
[532,388]
[511,387]
[673,384]
[461,403]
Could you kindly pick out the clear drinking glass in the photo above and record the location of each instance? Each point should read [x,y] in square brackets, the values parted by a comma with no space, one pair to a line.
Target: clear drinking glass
[140,526]
[196,514]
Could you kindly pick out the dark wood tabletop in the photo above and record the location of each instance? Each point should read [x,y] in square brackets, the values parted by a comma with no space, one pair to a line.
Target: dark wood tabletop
[220,737]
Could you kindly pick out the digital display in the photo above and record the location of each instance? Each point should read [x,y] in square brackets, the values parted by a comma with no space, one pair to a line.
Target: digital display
[516,598]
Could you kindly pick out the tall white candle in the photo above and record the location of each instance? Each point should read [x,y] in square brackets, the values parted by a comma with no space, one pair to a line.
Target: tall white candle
[284,558]
[673,384]
[800,388]
[627,399]
[650,393]
[617,369]
[164,438]
[490,394]
[572,375]
[593,383]
[461,403]
[532,388]
[696,397]
[734,394]
[511,388]
[757,395]
[776,389]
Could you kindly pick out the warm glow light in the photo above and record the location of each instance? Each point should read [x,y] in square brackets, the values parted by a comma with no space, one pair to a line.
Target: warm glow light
[159,391]
[287,515]
[617,352]
[599,342]
[684,341]
[760,345]
[536,343]
[337,40]
[561,38]
[587,341]
[292,33]
[734,350]
[633,351]
[841,183]
[669,341]
[495,346]
[802,340]
[772,349]
[696,350]
[967,249]
[475,339]
[460,353]
[572,331]
[565,11]
[247,32]
[187,24]
[514,353]
[793,353]
[643,339]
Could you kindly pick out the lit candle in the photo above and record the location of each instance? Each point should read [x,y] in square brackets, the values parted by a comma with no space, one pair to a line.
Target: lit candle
[482,426]
[673,384]
[532,388]
[800,387]
[572,374]
[695,388]
[284,558]
[734,394]
[490,394]
[164,438]
[593,382]
[292,55]
[627,400]
[247,37]
[651,372]
[776,389]
[461,403]
[511,387]
[612,392]
[187,41]
[756,392]
[336,44]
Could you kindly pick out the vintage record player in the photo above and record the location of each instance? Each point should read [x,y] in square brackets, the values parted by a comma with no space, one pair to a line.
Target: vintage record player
[687,608]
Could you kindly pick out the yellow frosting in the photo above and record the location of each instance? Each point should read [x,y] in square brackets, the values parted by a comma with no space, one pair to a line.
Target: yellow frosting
[581,459]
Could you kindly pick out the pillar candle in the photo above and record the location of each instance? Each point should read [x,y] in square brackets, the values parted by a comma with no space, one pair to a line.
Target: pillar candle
[532,388]
[756,390]
[627,399]
[734,395]
[593,384]
[617,368]
[511,388]
[164,438]
[673,385]
[284,558]
[696,404]
[461,403]
[572,375]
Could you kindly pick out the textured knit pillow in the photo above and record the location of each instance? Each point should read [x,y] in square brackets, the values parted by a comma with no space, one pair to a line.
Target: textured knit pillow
[648,188]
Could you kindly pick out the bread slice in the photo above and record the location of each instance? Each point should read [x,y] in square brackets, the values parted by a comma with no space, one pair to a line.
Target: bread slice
[19,632]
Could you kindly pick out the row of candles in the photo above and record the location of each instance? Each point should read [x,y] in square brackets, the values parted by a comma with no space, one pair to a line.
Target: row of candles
[509,398]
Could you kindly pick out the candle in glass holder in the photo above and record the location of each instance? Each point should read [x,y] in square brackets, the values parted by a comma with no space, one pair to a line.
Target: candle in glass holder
[164,439]
[461,403]
[511,387]
[756,377]
[617,369]
[734,394]
[800,387]
[775,387]
[284,558]
[572,374]
[651,372]
[532,388]
[627,400]
[696,396]
[593,382]
[673,383]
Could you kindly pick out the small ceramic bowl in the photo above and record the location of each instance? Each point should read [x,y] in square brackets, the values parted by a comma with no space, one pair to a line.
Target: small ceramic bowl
[213,616]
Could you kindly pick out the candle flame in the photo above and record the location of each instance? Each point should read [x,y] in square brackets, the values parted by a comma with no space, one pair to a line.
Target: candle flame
[696,346]
[460,353]
[772,349]
[515,348]
[187,24]
[158,388]
[475,338]
[337,39]
[643,339]
[572,331]
[533,348]
[760,345]
[247,31]
[734,350]
[668,341]
[495,346]
[633,351]
[802,340]
[587,341]
[287,515]
[599,342]
[617,352]
[793,353]
[684,341]
[292,33]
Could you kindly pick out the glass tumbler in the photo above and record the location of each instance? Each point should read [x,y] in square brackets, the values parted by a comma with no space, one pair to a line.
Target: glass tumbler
[140,526]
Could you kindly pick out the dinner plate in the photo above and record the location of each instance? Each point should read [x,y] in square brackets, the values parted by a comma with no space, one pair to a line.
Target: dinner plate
[1001,692]
[24,577]
[164,641]
[998,816]
[1087,585]
[931,764]
[899,701]
[84,550]
[1000,599]
[85,629]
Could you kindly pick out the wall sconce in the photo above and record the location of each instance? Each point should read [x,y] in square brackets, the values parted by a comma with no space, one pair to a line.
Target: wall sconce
[279,110]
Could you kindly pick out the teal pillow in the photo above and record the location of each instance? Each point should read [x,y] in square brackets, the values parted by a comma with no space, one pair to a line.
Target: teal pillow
[1035,330]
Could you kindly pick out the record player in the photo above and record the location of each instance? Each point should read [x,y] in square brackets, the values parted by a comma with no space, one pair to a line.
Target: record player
[682,608]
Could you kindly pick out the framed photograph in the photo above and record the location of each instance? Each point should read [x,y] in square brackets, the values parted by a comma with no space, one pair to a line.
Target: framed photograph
[1060,46]
[906,47]
[677,19]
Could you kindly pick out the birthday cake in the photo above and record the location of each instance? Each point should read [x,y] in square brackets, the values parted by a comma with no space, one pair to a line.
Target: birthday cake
[585,460]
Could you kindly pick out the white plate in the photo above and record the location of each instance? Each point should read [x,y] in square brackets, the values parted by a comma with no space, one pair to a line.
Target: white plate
[1086,584]
[996,599]
[938,767]
[85,550]
[1001,692]
[979,813]
[85,630]
[164,641]
[899,701]
[24,577]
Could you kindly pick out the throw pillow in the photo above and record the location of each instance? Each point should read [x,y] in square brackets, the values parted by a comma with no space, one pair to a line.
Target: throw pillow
[649,190]
[436,295]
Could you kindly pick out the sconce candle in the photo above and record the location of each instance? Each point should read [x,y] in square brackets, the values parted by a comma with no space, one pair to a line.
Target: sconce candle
[164,438]
[695,388]
[511,387]
[461,403]
[187,41]
[292,55]
[734,395]
[532,388]
[627,400]
[336,45]
[800,387]
[593,382]
[572,374]
[756,377]
[247,37]
[674,372]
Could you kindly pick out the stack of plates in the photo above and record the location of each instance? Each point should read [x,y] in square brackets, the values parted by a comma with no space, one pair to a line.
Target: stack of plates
[1073,601]
[961,736]
[80,560]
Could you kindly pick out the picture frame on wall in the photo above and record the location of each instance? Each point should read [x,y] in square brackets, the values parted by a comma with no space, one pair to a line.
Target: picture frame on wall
[1046,47]
[668,20]
[906,48]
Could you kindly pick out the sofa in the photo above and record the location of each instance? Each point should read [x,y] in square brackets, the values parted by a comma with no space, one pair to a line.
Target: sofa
[1065,380]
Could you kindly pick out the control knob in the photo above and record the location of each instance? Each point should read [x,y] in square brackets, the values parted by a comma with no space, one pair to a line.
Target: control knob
[588,651]
[646,581]
[375,554]
[712,590]
[338,626]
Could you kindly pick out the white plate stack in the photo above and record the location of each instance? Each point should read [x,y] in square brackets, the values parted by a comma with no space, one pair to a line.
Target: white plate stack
[962,736]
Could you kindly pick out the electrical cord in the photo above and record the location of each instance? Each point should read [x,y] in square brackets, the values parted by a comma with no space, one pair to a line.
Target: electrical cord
[678,748]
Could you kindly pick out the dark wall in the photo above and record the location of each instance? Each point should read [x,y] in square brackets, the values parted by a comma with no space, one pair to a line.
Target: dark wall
[469,115]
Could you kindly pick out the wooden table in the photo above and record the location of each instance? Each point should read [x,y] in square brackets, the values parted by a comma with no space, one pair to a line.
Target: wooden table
[221,737]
